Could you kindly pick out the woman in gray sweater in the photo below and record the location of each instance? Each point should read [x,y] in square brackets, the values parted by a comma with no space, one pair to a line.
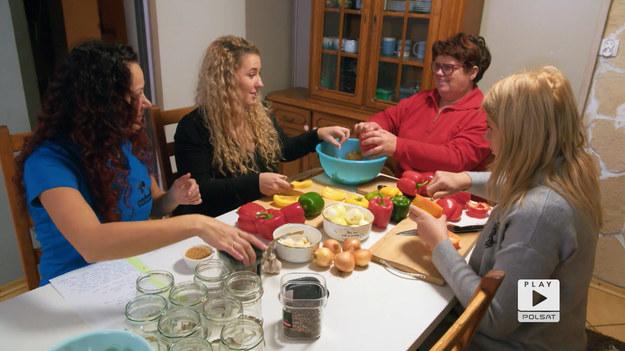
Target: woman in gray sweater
[546,221]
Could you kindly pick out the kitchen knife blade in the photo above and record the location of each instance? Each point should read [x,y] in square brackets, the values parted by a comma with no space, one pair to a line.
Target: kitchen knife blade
[304,175]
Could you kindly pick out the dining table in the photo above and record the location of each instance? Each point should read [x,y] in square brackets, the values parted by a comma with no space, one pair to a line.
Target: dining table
[371,308]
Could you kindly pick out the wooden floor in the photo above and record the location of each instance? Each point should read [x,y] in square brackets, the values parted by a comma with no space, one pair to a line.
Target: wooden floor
[605,314]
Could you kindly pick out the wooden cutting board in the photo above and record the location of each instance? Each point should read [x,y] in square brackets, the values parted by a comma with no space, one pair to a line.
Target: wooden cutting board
[409,253]
[267,202]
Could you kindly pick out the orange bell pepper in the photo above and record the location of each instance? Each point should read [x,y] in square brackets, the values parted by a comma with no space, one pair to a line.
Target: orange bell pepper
[428,206]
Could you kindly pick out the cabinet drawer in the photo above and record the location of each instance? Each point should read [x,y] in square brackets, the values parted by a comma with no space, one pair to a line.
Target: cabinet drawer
[321,119]
[291,117]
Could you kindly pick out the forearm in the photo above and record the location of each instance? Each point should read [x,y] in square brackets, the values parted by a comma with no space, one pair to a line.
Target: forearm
[163,205]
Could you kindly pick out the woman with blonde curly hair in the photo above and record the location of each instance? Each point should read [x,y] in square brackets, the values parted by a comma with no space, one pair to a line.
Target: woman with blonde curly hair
[547,218]
[230,144]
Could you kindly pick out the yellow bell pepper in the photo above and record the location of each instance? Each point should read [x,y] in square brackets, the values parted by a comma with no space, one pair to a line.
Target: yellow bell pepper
[391,191]
[284,200]
[356,199]
[333,194]
[301,185]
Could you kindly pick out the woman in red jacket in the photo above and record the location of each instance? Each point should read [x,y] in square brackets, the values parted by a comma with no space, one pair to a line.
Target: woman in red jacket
[440,129]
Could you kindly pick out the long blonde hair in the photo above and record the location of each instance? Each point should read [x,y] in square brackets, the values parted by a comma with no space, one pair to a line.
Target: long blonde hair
[542,134]
[222,110]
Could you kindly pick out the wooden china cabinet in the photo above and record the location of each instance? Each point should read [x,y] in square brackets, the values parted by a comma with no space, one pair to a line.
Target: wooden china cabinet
[365,56]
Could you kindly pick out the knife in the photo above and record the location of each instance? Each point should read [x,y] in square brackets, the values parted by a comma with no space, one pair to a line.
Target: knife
[452,228]
[304,175]
[408,232]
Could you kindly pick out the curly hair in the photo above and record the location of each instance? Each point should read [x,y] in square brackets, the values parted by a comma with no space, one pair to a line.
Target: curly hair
[224,115]
[541,132]
[470,50]
[88,103]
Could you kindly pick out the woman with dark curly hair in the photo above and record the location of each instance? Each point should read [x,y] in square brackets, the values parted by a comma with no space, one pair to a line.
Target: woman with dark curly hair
[86,170]
[230,143]
[439,129]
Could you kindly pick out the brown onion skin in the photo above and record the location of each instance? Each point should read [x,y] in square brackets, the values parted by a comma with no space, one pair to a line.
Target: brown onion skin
[351,244]
[362,257]
[333,245]
[344,261]
[323,257]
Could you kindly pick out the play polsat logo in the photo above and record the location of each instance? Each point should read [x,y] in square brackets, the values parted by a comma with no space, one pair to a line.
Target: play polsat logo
[539,300]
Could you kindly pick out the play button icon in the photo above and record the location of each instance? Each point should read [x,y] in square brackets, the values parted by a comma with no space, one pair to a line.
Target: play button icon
[537,298]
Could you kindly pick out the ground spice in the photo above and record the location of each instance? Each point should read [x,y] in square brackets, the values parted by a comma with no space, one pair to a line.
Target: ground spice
[198,252]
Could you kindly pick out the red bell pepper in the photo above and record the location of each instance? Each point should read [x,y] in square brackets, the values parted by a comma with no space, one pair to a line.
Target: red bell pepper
[382,208]
[364,147]
[412,183]
[477,209]
[267,221]
[451,208]
[293,213]
[247,216]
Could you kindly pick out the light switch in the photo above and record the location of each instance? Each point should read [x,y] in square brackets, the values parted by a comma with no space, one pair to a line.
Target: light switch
[609,47]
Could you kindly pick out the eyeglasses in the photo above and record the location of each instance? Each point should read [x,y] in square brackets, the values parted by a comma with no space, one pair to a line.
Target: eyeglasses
[447,68]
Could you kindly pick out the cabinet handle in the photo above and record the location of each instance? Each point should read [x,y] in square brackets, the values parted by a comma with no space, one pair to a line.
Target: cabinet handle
[375,19]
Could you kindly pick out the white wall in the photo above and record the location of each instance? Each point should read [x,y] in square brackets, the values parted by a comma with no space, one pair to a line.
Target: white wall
[528,34]
[14,114]
[185,29]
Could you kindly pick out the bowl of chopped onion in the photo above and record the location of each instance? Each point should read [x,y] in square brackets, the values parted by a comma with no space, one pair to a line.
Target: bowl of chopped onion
[296,242]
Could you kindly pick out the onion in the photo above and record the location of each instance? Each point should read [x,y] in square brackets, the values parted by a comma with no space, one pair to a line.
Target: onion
[362,257]
[323,257]
[351,244]
[344,261]
[333,245]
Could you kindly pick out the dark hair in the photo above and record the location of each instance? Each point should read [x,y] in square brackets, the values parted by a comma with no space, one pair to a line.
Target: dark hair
[90,103]
[470,50]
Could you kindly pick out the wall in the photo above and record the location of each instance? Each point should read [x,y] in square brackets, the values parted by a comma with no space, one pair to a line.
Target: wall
[267,24]
[532,33]
[14,112]
[184,33]
[605,113]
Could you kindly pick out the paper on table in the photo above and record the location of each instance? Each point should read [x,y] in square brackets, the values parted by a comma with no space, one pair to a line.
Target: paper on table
[99,292]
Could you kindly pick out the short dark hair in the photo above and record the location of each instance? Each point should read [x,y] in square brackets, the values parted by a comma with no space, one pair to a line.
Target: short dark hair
[470,50]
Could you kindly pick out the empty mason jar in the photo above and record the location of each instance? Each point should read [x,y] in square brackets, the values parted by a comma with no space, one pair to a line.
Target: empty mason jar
[247,288]
[212,273]
[242,335]
[218,312]
[155,283]
[191,344]
[179,323]
[142,314]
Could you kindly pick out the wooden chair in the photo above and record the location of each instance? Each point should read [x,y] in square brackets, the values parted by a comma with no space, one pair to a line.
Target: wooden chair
[459,335]
[159,119]
[9,145]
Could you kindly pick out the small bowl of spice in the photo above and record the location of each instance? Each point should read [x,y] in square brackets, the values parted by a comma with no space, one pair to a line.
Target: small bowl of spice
[196,254]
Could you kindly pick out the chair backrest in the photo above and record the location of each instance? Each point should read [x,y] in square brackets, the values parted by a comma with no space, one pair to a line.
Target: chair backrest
[165,149]
[9,145]
[459,335]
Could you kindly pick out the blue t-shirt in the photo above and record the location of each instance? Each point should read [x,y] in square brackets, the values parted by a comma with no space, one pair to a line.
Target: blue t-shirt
[57,163]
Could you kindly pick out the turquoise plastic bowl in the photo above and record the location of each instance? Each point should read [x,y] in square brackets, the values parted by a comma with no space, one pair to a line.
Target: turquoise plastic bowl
[341,170]
[104,340]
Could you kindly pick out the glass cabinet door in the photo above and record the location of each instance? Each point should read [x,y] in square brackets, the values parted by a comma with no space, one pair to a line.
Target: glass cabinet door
[339,40]
[401,46]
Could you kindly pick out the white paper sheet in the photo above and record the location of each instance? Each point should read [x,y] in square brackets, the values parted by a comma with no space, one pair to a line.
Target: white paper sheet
[99,292]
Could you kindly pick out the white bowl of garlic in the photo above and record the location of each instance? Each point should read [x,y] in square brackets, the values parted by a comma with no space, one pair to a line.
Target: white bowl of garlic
[296,242]
[343,221]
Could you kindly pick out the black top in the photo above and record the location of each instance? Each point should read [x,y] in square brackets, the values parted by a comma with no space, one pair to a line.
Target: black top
[220,194]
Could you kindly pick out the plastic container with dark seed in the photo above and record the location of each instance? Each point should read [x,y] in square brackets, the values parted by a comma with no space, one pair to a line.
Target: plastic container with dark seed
[303,297]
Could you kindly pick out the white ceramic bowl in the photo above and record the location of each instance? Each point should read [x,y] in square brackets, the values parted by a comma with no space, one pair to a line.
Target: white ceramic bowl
[192,262]
[342,232]
[297,254]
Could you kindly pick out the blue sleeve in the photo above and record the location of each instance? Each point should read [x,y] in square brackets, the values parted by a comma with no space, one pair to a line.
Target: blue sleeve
[45,169]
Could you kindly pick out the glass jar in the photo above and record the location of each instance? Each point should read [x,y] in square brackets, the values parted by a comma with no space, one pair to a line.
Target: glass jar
[212,273]
[242,335]
[142,314]
[179,323]
[155,283]
[303,297]
[191,344]
[218,312]
[188,294]
[247,288]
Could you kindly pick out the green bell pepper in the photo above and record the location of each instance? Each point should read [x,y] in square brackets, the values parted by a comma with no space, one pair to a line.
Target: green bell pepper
[374,194]
[401,206]
[312,203]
